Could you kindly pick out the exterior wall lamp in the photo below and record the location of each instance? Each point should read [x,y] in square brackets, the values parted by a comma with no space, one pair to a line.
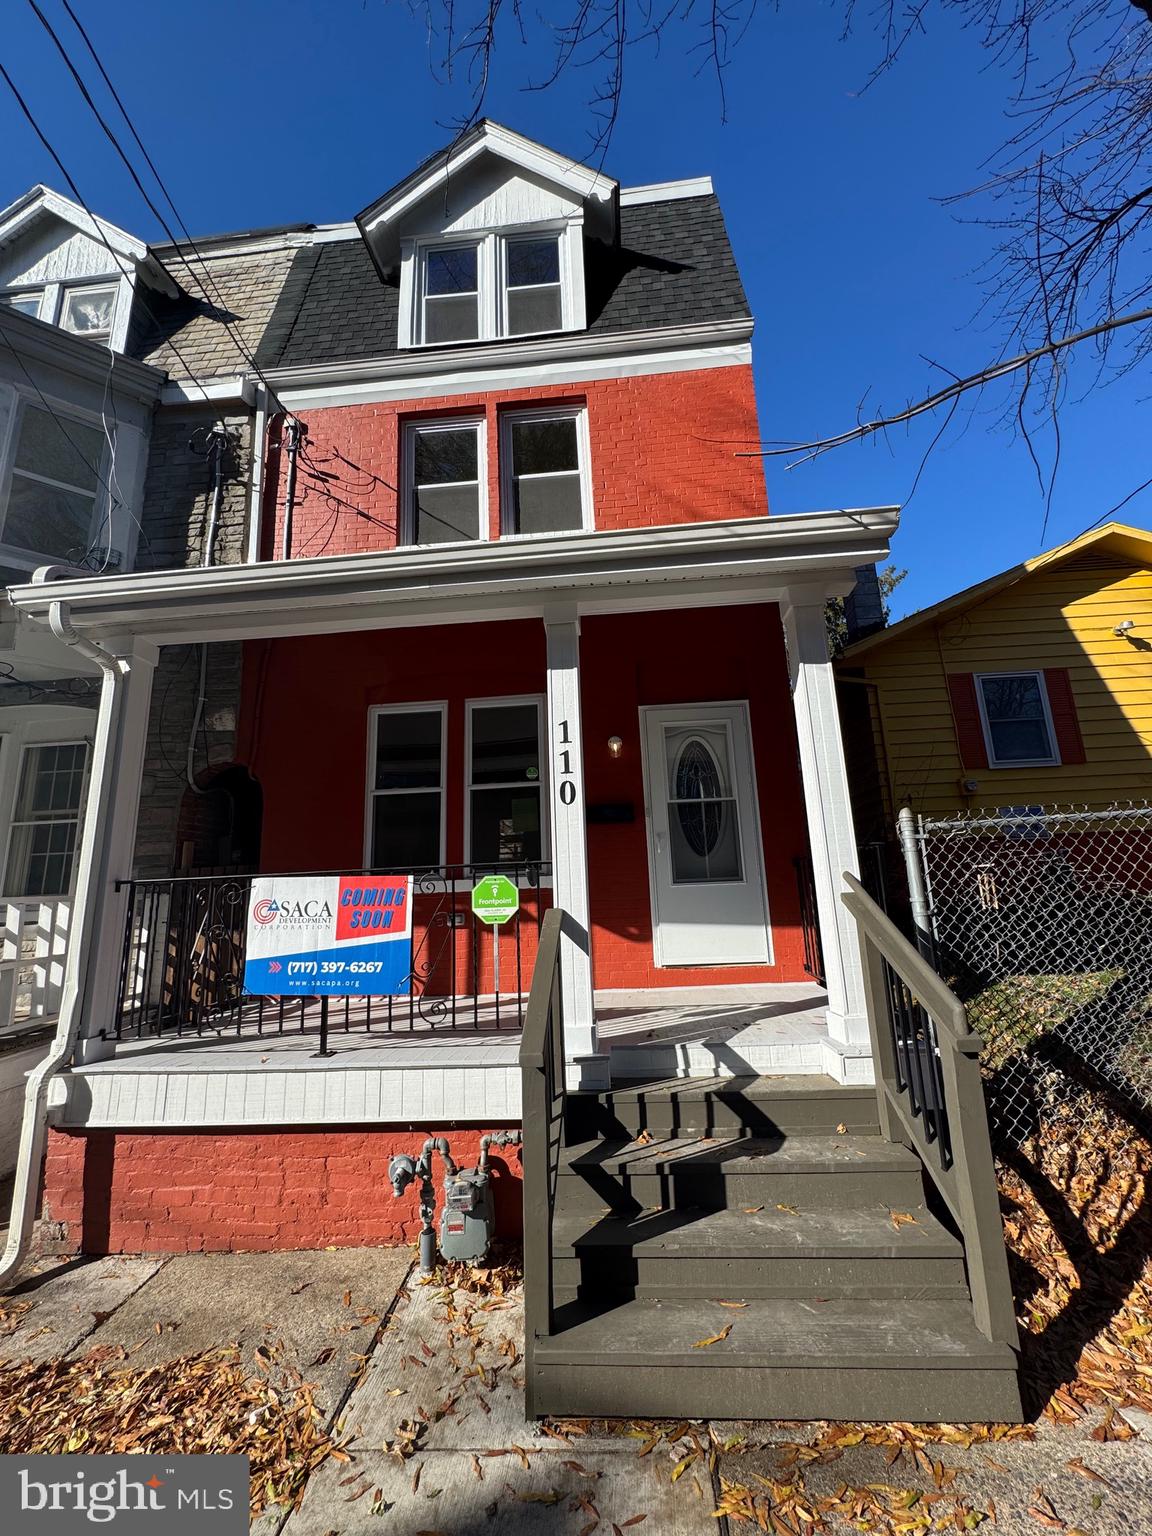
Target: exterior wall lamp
[615,746]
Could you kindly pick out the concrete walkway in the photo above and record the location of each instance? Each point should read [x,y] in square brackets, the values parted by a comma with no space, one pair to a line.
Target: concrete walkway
[424,1386]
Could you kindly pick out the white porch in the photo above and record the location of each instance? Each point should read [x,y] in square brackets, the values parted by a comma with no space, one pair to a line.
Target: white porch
[246,1078]
[466,1074]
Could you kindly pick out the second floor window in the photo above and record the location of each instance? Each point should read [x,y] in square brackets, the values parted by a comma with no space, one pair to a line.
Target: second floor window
[545,476]
[53,486]
[446,491]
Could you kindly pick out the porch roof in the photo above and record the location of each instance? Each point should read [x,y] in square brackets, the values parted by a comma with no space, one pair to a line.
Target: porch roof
[739,561]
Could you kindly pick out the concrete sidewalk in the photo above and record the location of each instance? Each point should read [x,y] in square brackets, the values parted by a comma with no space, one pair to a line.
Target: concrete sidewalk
[423,1384]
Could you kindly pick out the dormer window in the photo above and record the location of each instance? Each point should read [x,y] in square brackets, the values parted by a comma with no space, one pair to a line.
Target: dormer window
[533,296]
[516,283]
[27,302]
[89,311]
[451,293]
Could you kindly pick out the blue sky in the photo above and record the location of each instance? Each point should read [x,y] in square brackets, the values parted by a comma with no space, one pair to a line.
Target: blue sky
[304,110]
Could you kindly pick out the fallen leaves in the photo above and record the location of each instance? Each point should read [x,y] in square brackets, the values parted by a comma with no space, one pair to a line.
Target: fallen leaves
[197,1404]
[902,1219]
[715,1338]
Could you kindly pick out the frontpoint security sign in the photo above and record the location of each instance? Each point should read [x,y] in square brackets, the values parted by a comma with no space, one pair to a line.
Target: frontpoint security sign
[329,934]
[127,1495]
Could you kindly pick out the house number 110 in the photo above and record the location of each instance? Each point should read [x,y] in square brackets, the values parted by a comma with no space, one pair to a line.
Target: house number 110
[567,779]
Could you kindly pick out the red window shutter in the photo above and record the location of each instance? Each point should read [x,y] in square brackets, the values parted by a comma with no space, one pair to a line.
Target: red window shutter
[1062,704]
[966,714]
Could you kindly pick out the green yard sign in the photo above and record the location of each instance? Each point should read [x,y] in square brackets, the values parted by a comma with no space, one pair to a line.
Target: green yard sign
[495,899]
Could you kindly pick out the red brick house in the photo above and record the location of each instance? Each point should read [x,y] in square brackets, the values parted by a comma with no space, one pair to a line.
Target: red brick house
[508,598]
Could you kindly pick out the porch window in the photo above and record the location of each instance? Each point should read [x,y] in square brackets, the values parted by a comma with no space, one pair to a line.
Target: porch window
[545,457]
[46,819]
[54,483]
[505,816]
[406,794]
[446,492]
[1016,718]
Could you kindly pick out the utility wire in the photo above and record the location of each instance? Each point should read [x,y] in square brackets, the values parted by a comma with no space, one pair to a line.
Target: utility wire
[241,345]
[97,224]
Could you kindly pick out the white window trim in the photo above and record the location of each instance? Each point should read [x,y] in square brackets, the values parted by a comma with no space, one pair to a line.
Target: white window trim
[583,465]
[52,299]
[496,702]
[491,269]
[1053,760]
[405,522]
[19,554]
[371,793]
[16,745]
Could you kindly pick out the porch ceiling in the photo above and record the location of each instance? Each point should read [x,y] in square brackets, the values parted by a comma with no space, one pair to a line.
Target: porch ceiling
[740,561]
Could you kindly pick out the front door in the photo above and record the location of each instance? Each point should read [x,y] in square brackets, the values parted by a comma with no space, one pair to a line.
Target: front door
[705,857]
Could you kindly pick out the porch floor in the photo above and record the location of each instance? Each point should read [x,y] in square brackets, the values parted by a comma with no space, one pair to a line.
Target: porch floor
[466,1073]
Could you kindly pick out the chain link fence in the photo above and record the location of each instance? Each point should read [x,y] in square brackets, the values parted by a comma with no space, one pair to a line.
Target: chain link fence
[1041,919]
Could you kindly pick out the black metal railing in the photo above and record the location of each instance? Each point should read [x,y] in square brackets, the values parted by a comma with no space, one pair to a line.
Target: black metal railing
[182,966]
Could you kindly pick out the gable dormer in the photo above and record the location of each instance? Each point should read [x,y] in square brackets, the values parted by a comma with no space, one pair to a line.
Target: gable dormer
[486,240]
[69,270]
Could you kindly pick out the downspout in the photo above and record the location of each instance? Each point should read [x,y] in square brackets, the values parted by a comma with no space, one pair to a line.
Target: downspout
[33,1130]
[217,442]
[293,432]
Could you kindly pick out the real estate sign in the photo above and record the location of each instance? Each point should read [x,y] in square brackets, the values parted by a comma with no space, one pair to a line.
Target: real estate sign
[329,935]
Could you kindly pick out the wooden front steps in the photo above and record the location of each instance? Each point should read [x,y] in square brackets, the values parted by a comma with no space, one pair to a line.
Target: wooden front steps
[779,1193]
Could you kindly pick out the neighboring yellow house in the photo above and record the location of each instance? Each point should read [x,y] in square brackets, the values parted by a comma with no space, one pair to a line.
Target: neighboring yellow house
[1034,687]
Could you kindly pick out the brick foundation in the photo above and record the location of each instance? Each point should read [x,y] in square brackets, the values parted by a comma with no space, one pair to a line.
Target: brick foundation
[248,1191]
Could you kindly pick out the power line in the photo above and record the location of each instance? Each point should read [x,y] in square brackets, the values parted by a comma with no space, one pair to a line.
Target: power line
[97,224]
[241,344]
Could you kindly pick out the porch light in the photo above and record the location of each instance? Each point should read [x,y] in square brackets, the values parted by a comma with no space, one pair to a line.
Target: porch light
[615,746]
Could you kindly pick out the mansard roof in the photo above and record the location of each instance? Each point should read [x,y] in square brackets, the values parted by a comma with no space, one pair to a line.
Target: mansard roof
[673,265]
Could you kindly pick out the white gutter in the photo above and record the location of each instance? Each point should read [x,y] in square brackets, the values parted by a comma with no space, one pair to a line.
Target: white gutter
[33,1131]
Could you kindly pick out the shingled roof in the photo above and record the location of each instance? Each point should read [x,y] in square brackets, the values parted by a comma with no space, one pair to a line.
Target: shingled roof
[674,266]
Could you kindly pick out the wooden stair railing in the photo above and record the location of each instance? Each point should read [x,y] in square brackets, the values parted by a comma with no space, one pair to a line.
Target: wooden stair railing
[931,1099]
[542,1071]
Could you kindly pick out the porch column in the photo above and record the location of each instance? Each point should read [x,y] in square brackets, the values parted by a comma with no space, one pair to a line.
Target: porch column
[831,834]
[569,831]
[110,813]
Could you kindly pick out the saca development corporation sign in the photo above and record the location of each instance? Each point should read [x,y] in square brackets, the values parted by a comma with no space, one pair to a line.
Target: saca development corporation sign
[329,934]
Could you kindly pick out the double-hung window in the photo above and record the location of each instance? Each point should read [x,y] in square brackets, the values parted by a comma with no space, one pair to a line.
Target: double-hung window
[53,486]
[446,492]
[1017,720]
[406,786]
[46,819]
[526,282]
[545,459]
[451,293]
[505,813]
[533,295]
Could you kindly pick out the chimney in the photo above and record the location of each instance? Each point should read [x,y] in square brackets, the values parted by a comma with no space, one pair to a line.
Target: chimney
[864,606]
